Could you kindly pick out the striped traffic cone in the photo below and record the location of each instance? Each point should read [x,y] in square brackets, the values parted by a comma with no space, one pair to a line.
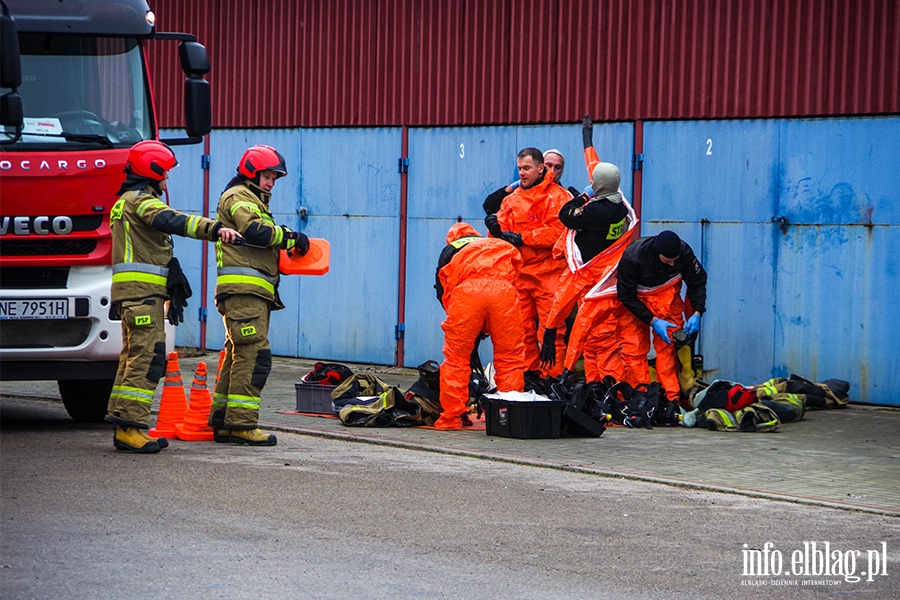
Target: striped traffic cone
[194,427]
[219,367]
[173,404]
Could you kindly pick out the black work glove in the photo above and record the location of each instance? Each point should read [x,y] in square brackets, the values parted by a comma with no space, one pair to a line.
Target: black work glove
[492,225]
[548,349]
[179,291]
[513,238]
[581,197]
[301,242]
[587,132]
[494,200]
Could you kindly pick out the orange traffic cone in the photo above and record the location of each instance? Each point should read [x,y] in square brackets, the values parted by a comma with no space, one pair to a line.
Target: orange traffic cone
[173,403]
[219,368]
[194,427]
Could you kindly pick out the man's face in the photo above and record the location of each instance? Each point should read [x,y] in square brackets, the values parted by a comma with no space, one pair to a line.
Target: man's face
[164,184]
[667,261]
[530,172]
[267,180]
[556,164]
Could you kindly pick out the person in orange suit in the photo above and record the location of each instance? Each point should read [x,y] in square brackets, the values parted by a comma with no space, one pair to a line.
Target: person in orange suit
[476,284]
[529,219]
[649,286]
[599,229]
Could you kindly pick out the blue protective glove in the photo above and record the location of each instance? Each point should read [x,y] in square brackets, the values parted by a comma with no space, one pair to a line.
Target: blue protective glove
[692,325]
[661,329]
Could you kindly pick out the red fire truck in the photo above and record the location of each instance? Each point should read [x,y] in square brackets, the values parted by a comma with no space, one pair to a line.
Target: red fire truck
[74,97]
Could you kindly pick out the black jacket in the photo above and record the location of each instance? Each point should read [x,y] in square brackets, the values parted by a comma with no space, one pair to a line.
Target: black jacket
[599,224]
[640,266]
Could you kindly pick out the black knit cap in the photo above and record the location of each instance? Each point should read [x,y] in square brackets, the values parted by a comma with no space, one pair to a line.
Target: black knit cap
[668,244]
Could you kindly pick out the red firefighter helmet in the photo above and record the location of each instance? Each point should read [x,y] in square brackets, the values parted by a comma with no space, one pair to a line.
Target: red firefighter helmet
[261,158]
[151,159]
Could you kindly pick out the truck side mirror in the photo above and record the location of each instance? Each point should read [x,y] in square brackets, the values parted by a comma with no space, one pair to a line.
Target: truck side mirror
[197,107]
[11,114]
[10,61]
[194,59]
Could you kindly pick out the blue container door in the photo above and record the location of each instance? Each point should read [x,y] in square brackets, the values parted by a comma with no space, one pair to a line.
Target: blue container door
[796,223]
[837,241]
[451,171]
[226,148]
[713,183]
[350,188]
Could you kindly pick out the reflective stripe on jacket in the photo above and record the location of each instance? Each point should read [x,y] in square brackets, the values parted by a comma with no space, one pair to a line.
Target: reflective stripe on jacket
[242,269]
[141,226]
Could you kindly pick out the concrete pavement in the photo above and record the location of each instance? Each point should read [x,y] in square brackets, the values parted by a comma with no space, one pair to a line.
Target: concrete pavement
[846,458]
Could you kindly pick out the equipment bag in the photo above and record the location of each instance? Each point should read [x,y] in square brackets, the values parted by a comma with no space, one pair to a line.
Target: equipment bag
[360,384]
[788,407]
[832,393]
[634,407]
[389,409]
[328,374]
[727,395]
[755,417]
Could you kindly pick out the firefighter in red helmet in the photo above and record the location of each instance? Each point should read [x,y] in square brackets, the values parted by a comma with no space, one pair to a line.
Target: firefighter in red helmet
[247,292]
[145,275]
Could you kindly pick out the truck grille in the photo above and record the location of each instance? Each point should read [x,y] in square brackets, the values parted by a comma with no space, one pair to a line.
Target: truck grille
[26,278]
[46,247]
[44,333]
[86,222]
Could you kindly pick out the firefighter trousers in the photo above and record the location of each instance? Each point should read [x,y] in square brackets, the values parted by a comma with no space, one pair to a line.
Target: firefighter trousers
[247,363]
[142,362]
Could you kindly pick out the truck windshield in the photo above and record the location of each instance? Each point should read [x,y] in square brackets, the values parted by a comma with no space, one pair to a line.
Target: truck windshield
[79,91]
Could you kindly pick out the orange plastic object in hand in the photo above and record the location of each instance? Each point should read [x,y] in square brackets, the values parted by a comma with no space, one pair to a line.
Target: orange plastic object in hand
[314,262]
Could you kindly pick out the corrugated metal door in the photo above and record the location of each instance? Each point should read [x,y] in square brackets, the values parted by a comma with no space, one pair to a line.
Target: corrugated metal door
[351,188]
[796,223]
[451,172]
[723,172]
[836,273]
[226,148]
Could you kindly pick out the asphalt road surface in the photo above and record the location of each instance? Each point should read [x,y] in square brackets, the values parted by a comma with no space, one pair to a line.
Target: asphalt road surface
[321,518]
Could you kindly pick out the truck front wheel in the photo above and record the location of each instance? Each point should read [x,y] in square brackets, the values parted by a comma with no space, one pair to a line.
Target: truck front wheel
[85,399]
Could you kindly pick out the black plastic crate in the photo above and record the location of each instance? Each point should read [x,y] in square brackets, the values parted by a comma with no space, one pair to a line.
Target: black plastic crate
[314,398]
[525,420]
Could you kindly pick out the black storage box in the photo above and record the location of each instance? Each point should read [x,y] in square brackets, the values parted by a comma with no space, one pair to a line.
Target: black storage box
[314,398]
[525,420]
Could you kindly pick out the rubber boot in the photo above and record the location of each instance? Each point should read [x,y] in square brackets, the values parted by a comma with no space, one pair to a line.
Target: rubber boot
[222,436]
[163,442]
[136,440]
[253,437]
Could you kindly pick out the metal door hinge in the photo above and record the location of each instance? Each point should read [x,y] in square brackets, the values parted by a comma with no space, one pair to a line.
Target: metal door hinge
[202,314]
[399,331]
[403,164]
[637,162]
[204,161]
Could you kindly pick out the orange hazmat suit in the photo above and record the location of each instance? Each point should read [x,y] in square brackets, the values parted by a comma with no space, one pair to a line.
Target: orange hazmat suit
[534,214]
[476,283]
